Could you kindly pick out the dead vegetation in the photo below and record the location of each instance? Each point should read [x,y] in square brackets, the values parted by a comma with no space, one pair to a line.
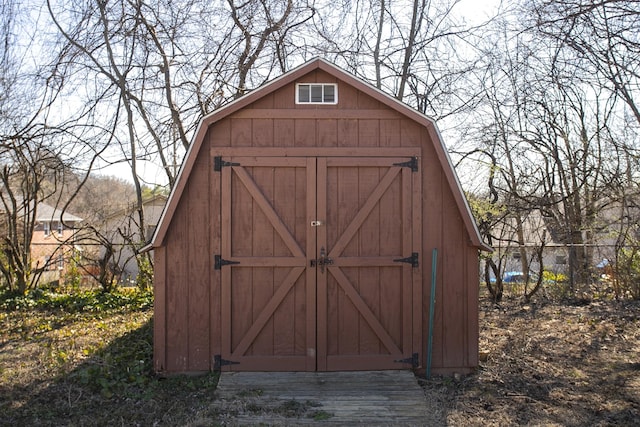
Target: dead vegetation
[85,359]
[569,364]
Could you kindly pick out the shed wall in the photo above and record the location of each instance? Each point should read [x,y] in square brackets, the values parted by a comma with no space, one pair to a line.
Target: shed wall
[187,330]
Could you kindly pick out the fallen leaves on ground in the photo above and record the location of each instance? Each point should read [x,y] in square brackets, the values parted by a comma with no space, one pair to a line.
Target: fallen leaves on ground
[568,364]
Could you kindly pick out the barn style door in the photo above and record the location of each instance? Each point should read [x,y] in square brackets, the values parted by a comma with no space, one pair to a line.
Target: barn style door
[320,263]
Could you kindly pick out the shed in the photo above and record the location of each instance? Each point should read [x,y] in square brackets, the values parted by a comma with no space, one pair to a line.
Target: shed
[299,234]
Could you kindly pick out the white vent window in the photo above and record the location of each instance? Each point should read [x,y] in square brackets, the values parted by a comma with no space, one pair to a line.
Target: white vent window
[317,93]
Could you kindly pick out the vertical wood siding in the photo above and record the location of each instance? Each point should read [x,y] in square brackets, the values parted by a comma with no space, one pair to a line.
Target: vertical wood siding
[188,309]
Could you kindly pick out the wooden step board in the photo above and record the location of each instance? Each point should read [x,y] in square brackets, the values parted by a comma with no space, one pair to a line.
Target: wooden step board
[390,398]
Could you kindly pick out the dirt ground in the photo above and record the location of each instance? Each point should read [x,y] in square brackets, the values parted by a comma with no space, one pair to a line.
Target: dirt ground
[550,363]
[565,364]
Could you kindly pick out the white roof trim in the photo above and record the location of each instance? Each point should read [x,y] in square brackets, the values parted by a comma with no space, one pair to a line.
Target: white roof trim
[206,121]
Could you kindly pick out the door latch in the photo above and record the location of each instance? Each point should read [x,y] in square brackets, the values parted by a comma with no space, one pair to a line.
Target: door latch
[322,261]
[316,223]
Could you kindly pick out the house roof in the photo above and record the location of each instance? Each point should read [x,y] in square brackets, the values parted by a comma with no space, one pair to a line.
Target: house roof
[46,213]
[49,213]
[156,200]
[285,79]
[533,226]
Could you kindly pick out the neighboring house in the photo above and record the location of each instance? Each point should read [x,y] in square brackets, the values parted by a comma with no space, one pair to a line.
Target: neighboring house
[53,242]
[123,230]
[617,227]
[613,223]
[507,245]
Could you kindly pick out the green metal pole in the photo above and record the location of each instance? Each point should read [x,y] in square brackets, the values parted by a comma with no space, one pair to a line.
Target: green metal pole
[432,306]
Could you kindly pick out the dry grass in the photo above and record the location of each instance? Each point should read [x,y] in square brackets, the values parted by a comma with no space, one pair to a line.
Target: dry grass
[547,364]
[69,366]
[550,364]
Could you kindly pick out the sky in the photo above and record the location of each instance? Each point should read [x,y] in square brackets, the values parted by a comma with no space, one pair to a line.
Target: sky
[472,11]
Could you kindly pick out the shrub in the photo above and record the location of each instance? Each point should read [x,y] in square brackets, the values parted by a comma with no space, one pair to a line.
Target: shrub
[627,272]
[132,299]
[144,280]
[551,277]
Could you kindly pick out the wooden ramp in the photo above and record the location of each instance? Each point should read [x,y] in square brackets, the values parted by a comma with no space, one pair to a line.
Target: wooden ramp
[389,398]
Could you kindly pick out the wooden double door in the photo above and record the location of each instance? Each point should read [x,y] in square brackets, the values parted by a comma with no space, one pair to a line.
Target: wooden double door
[319,263]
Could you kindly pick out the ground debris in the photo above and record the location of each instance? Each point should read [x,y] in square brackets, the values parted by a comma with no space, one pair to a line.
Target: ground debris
[550,364]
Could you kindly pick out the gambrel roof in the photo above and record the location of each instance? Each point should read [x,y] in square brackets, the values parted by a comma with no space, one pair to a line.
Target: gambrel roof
[288,78]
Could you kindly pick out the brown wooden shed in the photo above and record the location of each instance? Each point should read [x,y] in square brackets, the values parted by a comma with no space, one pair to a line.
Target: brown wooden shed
[299,235]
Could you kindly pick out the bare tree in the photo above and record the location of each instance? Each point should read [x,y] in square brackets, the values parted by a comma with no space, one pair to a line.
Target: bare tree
[264,26]
[36,145]
[553,130]
[419,54]
[603,35]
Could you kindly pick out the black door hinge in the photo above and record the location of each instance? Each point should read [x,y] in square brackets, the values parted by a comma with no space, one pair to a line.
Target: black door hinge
[413,164]
[219,362]
[219,262]
[414,360]
[413,260]
[218,163]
